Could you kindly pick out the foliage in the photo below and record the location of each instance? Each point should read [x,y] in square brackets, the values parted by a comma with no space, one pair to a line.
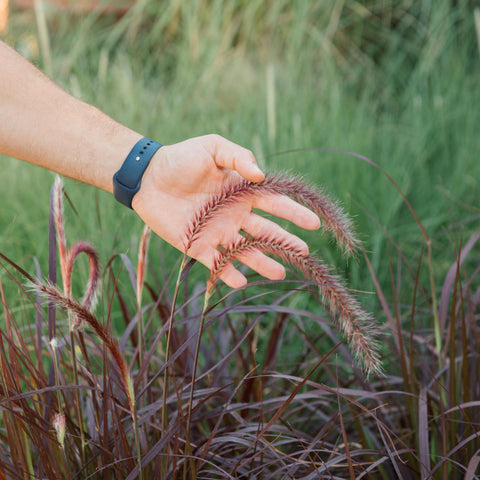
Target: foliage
[277,394]
[76,403]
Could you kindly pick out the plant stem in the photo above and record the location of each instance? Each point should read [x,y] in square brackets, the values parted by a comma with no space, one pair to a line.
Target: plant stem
[192,385]
[53,344]
[167,350]
[137,438]
[77,396]
[436,323]
[140,330]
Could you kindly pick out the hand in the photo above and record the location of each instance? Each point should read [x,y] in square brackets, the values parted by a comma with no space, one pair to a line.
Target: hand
[181,178]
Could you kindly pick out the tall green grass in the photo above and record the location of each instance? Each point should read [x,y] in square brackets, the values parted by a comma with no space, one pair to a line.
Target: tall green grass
[395,81]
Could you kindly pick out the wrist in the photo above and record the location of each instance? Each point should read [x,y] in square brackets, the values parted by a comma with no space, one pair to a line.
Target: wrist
[108,146]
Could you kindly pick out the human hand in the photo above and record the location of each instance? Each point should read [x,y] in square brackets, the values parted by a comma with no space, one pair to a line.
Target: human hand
[183,176]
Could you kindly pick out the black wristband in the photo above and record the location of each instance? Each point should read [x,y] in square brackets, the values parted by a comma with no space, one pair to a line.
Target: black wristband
[127,181]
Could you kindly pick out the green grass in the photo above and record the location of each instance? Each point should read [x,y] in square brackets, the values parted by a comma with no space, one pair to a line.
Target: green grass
[392,81]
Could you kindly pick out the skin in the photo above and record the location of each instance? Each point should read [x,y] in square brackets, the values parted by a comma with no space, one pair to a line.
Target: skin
[44,125]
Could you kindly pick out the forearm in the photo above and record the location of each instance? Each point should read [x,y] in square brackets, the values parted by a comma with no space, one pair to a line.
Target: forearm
[42,124]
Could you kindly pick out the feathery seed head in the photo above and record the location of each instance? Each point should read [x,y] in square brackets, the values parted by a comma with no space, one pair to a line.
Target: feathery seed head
[142,259]
[352,319]
[355,323]
[85,316]
[57,193]
[332,216]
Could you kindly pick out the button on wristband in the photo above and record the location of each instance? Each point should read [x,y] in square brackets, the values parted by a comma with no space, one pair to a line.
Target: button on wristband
[127,181]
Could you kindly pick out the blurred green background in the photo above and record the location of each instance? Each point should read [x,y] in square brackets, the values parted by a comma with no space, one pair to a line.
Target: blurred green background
[396,81]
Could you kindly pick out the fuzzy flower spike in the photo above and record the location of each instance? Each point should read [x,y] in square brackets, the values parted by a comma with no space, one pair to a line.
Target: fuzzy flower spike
[333,218]
[353,320]
[69,256]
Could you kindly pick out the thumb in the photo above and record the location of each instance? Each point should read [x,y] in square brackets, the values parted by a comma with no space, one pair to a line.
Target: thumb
[234,157]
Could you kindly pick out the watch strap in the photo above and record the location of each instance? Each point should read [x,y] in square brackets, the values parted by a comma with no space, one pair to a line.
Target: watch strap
[127,181]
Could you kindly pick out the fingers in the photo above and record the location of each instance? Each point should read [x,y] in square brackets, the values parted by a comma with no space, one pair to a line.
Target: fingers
[284,207]
[229,155]
[258,227]
[256,260]
[230,275]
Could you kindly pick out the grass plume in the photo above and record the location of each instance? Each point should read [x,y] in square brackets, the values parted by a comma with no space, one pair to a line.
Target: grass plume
[354,321]
[332,216]
[80,312]
[352,318]
[68,257]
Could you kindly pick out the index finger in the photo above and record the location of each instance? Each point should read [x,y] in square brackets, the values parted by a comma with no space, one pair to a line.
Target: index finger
[234,157]
[284,207]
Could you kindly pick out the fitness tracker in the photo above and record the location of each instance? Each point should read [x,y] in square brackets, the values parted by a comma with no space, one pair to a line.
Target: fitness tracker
[127,181]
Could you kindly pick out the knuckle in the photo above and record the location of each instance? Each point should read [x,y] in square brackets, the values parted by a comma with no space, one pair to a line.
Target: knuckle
[214,137]
[249,153]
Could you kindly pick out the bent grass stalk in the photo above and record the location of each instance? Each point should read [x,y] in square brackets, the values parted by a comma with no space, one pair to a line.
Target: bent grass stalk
[192,385]
[355,323]
[79,313]
[353,320]
[67,262]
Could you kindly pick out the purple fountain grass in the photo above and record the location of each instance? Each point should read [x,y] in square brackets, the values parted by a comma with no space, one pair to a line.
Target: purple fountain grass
[332,216]
[60,228]
[69,256]
[90,296]
[353,320]
[85,316]
[142,259]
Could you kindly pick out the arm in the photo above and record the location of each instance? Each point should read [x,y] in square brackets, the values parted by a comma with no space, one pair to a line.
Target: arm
[43,125]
